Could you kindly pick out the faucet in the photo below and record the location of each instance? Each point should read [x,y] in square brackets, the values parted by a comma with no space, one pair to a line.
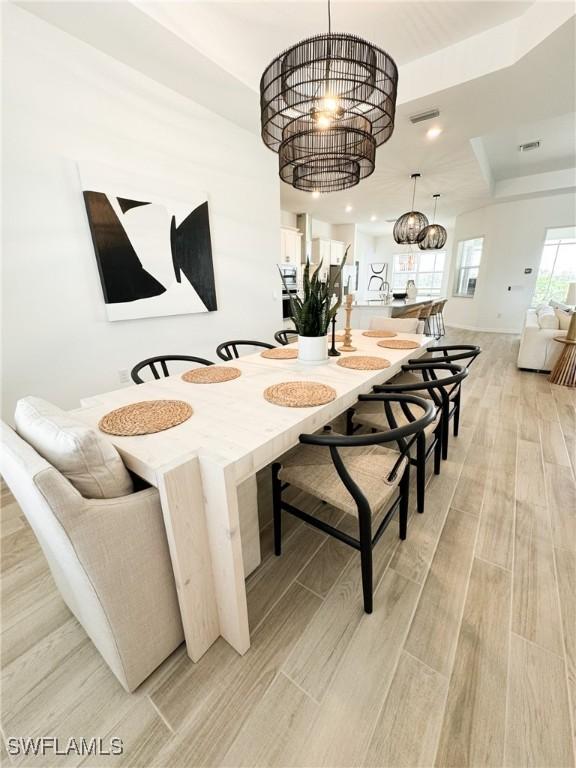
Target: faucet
[385,290]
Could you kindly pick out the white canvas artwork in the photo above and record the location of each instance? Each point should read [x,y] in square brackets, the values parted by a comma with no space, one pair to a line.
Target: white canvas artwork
[154,256]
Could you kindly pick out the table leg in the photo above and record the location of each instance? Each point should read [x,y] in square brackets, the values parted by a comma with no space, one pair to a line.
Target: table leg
[564,372]
[180,487]
[223,523]
[249,524]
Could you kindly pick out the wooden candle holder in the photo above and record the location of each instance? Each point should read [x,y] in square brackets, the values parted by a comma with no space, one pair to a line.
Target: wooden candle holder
[347,346]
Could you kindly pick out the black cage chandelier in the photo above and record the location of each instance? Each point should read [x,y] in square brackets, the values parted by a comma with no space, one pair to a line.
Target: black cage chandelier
[326,103]
[408,227]
[434,235]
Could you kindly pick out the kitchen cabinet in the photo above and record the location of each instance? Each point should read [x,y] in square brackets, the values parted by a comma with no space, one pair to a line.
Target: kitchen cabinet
[290,246]
[337,250]
[331,252]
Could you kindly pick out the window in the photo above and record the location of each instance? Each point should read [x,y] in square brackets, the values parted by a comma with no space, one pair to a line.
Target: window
[426,269]
[469,256]
[557,265]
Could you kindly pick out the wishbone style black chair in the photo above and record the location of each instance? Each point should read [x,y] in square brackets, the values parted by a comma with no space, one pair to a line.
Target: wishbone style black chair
[286,336]
[228,350]
[465,354]
[358,483]
[151,363]
[430,440]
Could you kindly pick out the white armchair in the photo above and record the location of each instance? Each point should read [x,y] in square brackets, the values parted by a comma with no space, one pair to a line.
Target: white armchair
[109,559]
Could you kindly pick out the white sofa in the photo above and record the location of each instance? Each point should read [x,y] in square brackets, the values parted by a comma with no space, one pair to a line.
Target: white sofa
[538,350]
[109,556]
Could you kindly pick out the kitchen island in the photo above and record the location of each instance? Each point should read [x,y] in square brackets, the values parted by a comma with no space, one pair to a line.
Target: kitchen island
[363,310]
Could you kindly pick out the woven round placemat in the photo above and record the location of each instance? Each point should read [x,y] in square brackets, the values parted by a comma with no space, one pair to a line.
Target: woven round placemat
[145,417]
[211,374]
[279,353]
[379,334]
[398,344]
[364,363]
[299,394]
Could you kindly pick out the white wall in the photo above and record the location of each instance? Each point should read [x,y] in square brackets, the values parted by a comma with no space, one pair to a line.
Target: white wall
[65,102]
[287,219]
[513,234]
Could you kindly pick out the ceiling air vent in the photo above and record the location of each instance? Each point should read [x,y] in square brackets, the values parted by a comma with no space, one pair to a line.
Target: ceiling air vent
[430,115]
[529,146]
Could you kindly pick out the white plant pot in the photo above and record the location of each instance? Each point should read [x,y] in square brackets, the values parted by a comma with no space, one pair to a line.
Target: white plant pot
[313,349]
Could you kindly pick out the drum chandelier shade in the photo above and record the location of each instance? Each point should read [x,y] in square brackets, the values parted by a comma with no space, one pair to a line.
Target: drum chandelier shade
[326,103]
[408,227]
[327,160]
[434,235]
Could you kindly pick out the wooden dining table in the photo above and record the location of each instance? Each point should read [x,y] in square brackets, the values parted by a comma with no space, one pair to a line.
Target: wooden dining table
[205,471]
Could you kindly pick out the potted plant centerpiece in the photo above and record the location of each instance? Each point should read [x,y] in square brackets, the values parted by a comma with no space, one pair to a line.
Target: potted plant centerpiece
[313,313]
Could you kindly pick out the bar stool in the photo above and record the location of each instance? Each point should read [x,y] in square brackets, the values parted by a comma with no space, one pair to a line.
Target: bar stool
[434,319]
[441,317]
[408,311]
[424,316]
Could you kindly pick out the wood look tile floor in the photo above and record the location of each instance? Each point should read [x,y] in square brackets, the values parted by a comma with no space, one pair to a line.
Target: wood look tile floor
[469,658]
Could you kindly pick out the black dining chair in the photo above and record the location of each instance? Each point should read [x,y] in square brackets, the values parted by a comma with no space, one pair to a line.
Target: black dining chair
[286,336]
[380,416]
[464,355]
[334,468]
[162,360]
[228,350]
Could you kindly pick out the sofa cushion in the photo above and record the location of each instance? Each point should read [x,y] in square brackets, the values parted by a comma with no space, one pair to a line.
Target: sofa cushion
[86,458]
[563,319]
[547,318]
[560,305]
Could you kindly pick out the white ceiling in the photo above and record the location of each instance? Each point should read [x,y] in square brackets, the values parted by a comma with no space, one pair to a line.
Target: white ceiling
[494,105]
[557,149]
[243,37]
[524,88]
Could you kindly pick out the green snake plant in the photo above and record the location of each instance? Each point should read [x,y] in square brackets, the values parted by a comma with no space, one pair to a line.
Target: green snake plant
[312,314]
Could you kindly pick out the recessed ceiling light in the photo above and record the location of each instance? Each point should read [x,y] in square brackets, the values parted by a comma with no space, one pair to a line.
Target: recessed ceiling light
[348,209]
[433,133]
[315,194]
[373,218]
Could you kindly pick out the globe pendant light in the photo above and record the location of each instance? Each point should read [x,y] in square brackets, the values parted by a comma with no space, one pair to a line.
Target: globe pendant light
[326,103]
[434,235]
[409,225]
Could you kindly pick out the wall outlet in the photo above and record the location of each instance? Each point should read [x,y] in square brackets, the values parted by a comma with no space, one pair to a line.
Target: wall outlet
[124,376]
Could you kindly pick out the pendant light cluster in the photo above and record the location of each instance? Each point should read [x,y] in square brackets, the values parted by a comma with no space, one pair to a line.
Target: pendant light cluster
[413,227]
[326,103]
[434,235]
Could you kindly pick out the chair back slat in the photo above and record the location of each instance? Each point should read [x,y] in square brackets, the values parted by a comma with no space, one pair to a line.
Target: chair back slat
[286,336]
[151,363]
[228,350]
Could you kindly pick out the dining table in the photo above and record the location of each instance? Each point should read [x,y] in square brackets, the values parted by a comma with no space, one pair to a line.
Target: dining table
[205,470]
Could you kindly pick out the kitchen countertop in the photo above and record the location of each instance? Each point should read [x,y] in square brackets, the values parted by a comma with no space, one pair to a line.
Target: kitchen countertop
[378,303]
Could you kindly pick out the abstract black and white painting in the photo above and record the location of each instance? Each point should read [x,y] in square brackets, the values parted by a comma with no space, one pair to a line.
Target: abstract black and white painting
[154,257]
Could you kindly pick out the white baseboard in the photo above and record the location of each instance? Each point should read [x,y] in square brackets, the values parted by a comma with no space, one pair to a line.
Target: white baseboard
[513,331]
